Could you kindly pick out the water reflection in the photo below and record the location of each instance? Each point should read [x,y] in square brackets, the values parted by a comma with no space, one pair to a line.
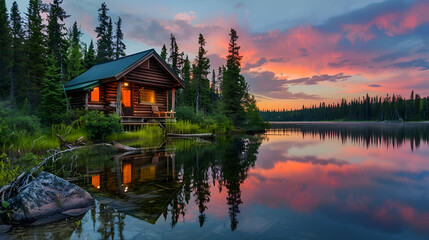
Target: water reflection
[326,182]
[377,134]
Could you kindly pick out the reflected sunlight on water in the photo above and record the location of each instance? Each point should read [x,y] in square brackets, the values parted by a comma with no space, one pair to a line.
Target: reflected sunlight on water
[307,181]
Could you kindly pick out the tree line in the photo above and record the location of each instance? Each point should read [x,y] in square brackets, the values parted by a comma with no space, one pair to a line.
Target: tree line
[37,59]
[225,93]
[388,108]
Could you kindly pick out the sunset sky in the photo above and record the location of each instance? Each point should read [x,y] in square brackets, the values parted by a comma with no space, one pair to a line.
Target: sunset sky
[295,52]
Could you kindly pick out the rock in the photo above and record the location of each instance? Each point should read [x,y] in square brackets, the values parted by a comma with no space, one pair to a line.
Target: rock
[49,198]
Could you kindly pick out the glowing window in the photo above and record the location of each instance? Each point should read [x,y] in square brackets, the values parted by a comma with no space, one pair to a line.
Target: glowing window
[147,95]
[95,181]
[126,173]
[126,97]
[95,94]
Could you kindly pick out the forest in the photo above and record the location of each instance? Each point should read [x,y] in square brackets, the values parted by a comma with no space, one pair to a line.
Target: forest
[388,108]
[39,54]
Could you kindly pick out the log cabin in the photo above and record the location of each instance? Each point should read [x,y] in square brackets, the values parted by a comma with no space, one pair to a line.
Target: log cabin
[135,87]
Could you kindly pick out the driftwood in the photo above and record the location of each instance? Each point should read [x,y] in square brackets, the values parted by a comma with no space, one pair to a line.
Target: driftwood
[198,135]
[10,190]
[65,144]
[123,148]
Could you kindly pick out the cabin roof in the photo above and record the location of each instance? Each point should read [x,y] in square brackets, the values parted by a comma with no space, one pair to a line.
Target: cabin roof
[114,69]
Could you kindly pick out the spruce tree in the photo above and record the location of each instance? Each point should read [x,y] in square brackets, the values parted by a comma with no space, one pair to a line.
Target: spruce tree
[200,71]
[36,52]
[213,97]
[53,103]
[104,38]
[219,84]
[89,60]
[119,37]
[109,40]
[56,29]
[74,56]
[174,53]
[6,54]
[18,68]
[234,87]
[189,91]
[164,53]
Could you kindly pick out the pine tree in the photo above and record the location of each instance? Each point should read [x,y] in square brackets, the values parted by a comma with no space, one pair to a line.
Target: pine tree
[174,53]
[213,97]
[119,37]
[89,60]
[57,32]
[18,68]
[200,71]
[109,40]
[6,54]
[189,91]
[53,103]
[219,84]
[234,87]
[104,35]
[36,52]
[164,53]
[74,56]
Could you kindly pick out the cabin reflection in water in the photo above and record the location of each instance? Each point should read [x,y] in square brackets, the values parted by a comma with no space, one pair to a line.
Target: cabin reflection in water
[145,183]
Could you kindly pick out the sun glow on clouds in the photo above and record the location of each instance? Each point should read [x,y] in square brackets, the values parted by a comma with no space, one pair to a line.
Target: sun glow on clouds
[379,48]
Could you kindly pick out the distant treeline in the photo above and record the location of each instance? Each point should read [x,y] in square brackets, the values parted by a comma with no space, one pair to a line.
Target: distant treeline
[389,108]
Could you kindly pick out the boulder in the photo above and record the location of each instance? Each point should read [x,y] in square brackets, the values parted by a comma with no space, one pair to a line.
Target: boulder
[49,198]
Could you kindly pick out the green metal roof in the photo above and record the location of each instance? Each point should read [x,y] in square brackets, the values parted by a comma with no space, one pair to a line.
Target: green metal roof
[110,69]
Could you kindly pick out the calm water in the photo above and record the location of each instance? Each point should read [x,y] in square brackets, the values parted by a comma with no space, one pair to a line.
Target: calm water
[297,181]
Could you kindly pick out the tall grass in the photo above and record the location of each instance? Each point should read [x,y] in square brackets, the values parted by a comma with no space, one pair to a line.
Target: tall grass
[207,126]
[144,136]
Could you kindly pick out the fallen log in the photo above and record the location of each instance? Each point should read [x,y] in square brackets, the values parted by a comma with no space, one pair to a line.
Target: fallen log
[123,148]
[198,135]
[65,144]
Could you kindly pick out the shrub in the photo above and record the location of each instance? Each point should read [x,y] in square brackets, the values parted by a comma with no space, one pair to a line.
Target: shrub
[187,113]
[98,126]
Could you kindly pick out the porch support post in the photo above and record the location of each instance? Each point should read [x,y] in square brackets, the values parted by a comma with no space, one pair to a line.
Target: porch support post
[173,100]
[166,92]
[86,100]
[119,99]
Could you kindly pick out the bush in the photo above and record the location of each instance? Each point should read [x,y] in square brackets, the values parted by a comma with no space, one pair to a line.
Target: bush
[98,126]
[187,113]
[29,123]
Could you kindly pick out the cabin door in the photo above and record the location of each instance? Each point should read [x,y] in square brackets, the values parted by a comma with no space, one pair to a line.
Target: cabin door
[127,103]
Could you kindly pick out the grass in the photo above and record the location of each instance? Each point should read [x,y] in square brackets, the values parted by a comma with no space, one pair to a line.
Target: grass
[147,136]
[24,142]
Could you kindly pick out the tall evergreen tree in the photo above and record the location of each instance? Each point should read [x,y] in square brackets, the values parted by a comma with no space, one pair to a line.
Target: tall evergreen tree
[164,53]
[75,61]
[200,71]
[213,97]
[234,87]
[18,68]
[189,91]
[57,32]
[6,53]
[219,84]
[36,52]
[53,103]
[104,35]
[109,39]
[89,60]
[119,37]
[174,53]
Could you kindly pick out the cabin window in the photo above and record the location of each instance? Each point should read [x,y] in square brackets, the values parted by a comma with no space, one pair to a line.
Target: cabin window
[147,96]
[95,94]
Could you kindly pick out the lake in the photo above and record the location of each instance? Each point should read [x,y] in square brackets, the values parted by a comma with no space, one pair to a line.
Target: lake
[296,181]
